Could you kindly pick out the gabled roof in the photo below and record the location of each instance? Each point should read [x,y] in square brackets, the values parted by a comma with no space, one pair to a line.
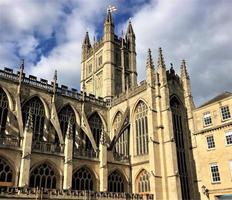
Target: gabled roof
[217,98]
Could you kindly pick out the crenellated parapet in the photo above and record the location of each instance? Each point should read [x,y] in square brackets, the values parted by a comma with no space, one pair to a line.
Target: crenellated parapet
[43,84]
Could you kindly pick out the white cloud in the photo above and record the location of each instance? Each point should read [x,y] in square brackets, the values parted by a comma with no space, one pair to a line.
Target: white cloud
[197,31]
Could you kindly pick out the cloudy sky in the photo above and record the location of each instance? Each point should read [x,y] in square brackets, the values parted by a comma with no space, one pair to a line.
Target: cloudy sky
[48,34]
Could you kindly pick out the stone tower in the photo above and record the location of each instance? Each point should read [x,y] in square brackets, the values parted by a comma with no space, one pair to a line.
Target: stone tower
[109,65]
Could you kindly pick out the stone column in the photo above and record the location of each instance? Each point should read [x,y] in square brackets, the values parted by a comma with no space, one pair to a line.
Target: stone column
[103,163]
[26,153]
[68,153]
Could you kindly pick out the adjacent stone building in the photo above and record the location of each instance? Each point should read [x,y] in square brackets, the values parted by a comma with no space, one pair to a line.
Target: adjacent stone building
[115,136]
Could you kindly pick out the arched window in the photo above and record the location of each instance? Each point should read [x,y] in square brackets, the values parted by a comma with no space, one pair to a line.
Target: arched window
[122,145]
[43,176]
[35,106]
[3,111]
[143,182]
[6,173]
[141,128]
[67,115]
[116,182]
[82,180]
[95,124]
[179,119]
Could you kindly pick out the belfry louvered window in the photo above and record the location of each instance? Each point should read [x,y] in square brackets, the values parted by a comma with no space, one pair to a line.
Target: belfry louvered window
[3,111]
[141,124]
[82,180]
[143,182]
[43,176]
[115,182]
[6,173]
[121,146]
[35,106]
[67,115]
[95,124]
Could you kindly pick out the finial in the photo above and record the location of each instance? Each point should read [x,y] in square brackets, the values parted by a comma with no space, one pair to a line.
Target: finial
[183,69]
[54,82]
[69,128]
[149,59]
[130,28]
[22,65]
[55,76]
[160,58]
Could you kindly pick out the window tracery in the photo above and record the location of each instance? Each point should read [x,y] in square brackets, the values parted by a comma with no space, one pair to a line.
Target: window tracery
[82,180]
[6,173]
[43,176]
[141,124]
[115,182]
[95,124]
[35,106]
[143,182]
[3,111]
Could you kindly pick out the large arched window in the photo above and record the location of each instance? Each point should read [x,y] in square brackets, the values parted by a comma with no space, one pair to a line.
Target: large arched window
[3,111]
[143,182]
[95,124]
[66,116]
[122,145]
[6,173]
[43,176]
[179,119]
[116,182]
[141,128]
[82,180]
[35,106]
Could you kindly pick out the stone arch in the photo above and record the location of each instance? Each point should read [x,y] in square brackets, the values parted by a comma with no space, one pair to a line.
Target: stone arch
[7,172]
[45,174]
[97,126]
[135,106]
[116,115]
[9,97]
[175,98]
[142,182]
[47,111]
[117,181]
[84,178]
[102,118]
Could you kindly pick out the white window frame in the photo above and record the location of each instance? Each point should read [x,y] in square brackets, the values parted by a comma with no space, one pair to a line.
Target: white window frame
[212,141]
[228,112]
[207,116]
[212,175]
[228,133]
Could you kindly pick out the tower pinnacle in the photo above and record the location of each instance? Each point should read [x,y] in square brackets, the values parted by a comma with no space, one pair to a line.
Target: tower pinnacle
[86,40]
[160,58]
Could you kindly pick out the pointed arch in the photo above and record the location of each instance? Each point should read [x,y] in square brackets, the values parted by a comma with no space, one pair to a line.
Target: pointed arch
[117,182]
[141,127]
[36,107]
[4,108]
[44,175]
[83,178]
[116,121]
[135,106]
[142,181]
[96,125]
[101,117]
[7,172]
[9,97]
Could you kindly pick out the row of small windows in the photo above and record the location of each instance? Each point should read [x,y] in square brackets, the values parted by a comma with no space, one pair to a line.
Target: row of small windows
[211,143]
[44,176]
[215,172]
[225,114]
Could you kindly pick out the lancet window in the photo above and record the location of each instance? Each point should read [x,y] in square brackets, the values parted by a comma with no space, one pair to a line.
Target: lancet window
[3,111]
[67,118]
[178,115]
[35,106]
[143,182]
[43,176]
[96,127]
[122,145]
[141,124]
[6,173]
[116,182]
[82,180]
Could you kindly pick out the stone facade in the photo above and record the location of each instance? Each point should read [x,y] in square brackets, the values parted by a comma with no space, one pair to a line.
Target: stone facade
[213,147]
[114,138]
